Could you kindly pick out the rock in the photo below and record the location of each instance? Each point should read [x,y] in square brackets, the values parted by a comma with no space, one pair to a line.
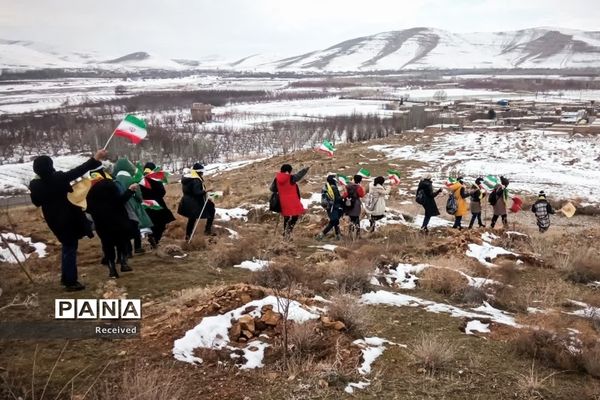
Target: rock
[247,334]
[245,298]
[328,323]
[271,318]
[247,323]
[266,307]
[259,325]
[249,309]
[257,293]
[235,331]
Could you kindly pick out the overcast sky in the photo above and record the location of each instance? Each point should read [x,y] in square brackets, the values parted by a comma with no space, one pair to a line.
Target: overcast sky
[237,28]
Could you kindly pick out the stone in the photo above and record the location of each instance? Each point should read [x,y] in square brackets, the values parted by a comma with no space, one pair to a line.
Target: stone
[271,318]
[266,308]
[245,298]
[247,334]
[329,323]
[247,323]
[235,331]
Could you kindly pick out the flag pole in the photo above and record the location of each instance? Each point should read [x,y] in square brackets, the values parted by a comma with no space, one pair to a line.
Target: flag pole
[109,139]
[198,220]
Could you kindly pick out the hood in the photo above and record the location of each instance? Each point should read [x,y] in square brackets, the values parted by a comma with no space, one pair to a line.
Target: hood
[43,166]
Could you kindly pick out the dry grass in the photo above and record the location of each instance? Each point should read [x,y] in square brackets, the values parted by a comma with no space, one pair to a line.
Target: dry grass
[507,272]
[226,255]
[547,347]
[590,359]
[584,267]
[283,272]
[350,276]
[144,383]
[346,308]
[532,384]
[307,340]
[444,281]
[433,353]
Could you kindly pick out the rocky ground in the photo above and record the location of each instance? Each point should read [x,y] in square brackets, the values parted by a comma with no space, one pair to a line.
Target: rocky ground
[478,314]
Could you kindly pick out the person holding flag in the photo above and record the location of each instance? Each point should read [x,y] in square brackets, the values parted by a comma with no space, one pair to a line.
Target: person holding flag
[498,199]
[477,194]
[106,205]
[333,203]
[375,201]
[195,203]
[153,193]
[67,221]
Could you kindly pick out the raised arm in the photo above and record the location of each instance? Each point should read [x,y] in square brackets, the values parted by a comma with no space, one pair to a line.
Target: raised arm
[299,175]
[90,164]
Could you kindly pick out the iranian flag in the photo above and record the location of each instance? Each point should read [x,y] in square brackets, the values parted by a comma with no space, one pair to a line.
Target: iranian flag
[491,181]
[151,205]
[132,128]
[364,173]
[451,181]
[343,180]
[394,176]
[326,147]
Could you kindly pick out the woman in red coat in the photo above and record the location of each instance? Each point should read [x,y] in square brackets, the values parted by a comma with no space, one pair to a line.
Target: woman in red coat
[289,196]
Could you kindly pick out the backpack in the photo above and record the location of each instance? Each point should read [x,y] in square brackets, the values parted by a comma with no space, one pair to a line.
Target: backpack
[451,205]
[351,196]
[370,202]
[420,198]
[326,201]
[274,202]
[493,198]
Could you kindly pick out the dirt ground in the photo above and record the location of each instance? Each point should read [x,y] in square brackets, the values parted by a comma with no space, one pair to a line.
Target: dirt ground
[175,291]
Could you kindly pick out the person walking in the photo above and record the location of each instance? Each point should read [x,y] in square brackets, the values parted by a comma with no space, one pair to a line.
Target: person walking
[542,210]
[195,203]
[333,203]
[139,221]
[426,197]
[66,220]
[460,194]
[375,201]
[477,194]
[106,205]
[286,185]
[155,190]
[498,199]
[352,203]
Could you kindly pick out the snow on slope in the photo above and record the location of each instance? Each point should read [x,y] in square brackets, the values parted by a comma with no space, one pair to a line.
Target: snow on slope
[426,48]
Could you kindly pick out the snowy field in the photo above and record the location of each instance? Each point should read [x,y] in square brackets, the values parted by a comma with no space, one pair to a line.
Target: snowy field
[565,167]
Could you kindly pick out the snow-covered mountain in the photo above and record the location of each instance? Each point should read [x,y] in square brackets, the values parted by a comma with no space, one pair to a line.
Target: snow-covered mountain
[415,48]
[426,48]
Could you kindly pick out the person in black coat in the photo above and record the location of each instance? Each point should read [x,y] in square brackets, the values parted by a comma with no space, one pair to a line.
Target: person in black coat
[106,205]
[195,202]
[160,218]
[66,220]
[428,202]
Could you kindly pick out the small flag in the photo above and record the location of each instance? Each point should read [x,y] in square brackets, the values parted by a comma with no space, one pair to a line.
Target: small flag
[394,177]
[364,173]
[451,181]
[568,209]
[151,205]
[491,181]
[132,128]
[158,175]
[343,180]
[326,147]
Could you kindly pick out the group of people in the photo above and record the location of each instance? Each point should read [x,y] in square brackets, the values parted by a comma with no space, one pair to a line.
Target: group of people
[349,200]
[116,206]
[463,199]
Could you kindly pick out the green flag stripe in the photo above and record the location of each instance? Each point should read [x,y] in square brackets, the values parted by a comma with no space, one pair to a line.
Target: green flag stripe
[135,121]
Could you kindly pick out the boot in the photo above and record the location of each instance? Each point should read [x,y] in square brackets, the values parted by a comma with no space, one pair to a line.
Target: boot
[338,237]
[112,270]
[124,266]
[74,287]
[153,242]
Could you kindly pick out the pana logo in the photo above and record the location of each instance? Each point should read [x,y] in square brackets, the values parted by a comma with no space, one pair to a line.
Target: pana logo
[97,309]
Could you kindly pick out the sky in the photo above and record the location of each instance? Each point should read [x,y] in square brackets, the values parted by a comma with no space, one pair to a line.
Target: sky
[231,29]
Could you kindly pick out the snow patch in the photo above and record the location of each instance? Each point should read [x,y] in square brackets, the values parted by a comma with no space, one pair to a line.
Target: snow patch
[254,265]
[7,256]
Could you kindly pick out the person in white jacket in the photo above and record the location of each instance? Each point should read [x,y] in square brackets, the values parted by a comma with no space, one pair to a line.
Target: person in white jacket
[375,201]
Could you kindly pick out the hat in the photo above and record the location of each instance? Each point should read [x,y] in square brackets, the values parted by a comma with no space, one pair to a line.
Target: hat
[150,165]
[198,167]
[542,193]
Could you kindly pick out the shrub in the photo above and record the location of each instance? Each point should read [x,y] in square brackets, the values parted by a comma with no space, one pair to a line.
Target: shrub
[590,359]
[433,353]
[547,347]
[305,340]
[346,308]
[350,276]
[444,281]
[584,268]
